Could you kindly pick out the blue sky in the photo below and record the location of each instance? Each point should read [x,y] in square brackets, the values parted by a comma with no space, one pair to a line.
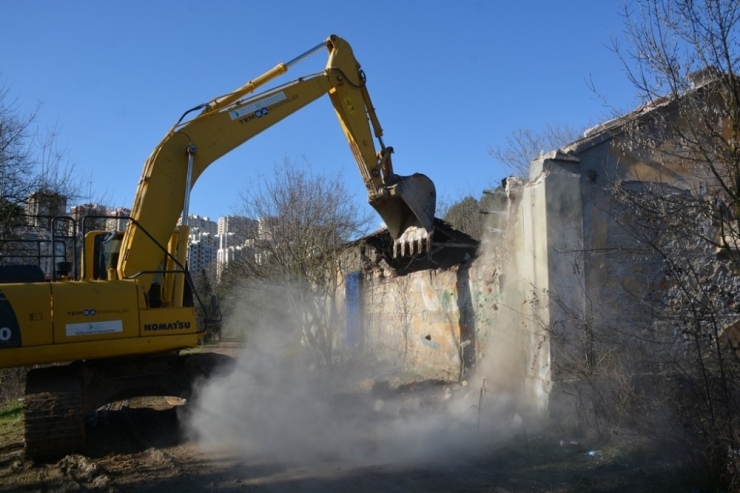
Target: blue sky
[448,79]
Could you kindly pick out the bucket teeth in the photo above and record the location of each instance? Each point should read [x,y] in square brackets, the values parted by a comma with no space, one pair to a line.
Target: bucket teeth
[414,241]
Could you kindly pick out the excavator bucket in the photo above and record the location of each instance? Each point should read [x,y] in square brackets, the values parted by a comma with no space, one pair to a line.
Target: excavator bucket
[408,212]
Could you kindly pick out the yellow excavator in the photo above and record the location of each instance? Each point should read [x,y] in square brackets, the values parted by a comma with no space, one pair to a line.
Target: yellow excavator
[121,322]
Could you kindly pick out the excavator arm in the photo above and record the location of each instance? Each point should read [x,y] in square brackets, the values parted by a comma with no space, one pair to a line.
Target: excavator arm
[406,204]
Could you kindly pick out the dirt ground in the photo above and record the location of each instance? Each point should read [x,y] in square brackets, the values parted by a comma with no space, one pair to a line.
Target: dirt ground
[140,446]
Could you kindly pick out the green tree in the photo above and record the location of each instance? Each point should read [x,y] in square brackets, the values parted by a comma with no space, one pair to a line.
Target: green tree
[465,215]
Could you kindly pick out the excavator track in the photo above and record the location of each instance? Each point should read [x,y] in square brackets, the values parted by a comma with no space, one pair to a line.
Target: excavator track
[58,397]
[54,416]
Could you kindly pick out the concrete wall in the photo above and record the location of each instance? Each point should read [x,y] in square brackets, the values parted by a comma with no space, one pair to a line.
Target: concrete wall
[586,285]
[576,272]
[461,323]
[526,300]
[417,322]
[538,259]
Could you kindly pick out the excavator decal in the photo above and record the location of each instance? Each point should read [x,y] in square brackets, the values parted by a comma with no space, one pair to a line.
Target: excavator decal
[177,325]
[94,328]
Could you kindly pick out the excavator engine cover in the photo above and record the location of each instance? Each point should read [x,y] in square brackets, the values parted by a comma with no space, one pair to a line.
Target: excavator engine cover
[408,208]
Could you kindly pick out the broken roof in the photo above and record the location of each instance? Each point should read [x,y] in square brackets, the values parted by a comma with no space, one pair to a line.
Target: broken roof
[449,247]
[701,81]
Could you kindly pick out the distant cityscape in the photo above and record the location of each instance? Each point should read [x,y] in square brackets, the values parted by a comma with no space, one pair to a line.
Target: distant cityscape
[221,241]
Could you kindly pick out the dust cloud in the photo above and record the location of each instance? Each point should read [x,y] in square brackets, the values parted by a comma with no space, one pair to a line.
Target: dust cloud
[278,405]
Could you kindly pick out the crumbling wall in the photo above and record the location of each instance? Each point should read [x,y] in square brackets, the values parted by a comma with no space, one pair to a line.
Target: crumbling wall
[418,322]
[561,292]
[463,323]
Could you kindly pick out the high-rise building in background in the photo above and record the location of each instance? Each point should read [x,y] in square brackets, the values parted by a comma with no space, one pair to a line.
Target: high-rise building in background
[203,242]
[266,229]
[89,217]
[201,251]
[31,240]
[203,224]
[234,233]
[118,219]
[222,241]
[240,227]
[42,206]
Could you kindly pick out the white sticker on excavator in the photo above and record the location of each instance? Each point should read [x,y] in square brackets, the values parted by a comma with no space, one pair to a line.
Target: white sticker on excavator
[250,108]
[91,328]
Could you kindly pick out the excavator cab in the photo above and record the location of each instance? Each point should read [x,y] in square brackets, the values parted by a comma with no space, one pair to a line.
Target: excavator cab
[100,254]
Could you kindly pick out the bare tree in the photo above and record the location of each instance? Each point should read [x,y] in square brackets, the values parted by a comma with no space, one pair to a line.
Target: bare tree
[525,144]
[304,218]
[16,164]
[30,162]
[682,57]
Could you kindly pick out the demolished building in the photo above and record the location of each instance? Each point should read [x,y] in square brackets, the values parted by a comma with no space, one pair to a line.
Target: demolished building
[561,269]
[413,312]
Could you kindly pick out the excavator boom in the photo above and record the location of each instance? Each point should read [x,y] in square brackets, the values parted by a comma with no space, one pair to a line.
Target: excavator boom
[406,204]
